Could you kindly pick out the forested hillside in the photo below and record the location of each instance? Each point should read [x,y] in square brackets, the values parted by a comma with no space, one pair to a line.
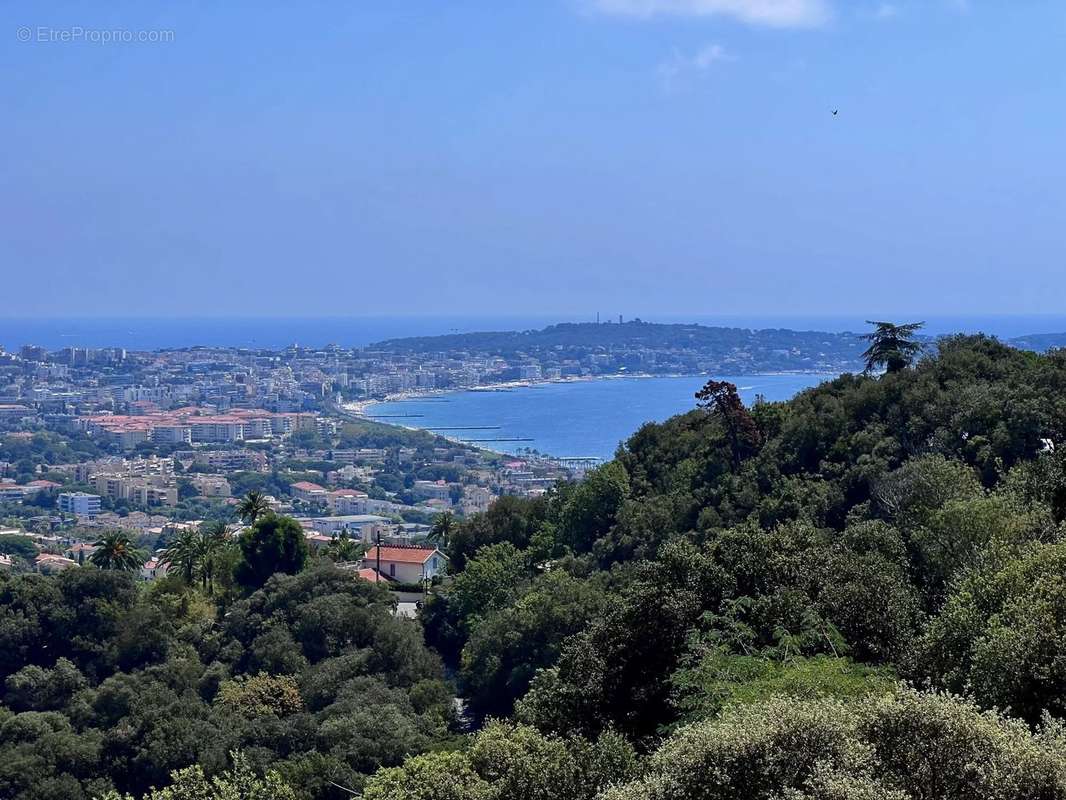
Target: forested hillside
[745,595]
[855,594]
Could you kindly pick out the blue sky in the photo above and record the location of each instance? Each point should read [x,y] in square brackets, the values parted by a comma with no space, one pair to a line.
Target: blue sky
[644,157]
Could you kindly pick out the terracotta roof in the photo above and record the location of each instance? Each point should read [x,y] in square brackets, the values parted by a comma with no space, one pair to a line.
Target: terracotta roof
[400,555]
[372,575]
[307,486]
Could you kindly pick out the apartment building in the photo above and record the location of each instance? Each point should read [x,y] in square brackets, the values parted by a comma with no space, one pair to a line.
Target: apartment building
[82,504]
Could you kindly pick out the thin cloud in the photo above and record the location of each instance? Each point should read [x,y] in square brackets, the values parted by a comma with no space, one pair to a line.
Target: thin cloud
[680,64]
[773,13]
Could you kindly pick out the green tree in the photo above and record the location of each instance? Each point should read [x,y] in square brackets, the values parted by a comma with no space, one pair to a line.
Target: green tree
[892,346]
[443,527]
[116,551]
[240,783]
[491,579]
[252,506]
[273,544]
[514,640]
[22,546]
[434,776]
[901,746]
[342,548]
[182,554]
[591,509]
[1001,635]
[214,549]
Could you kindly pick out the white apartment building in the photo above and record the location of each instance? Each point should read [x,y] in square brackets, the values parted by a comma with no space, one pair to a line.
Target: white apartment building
[82,504]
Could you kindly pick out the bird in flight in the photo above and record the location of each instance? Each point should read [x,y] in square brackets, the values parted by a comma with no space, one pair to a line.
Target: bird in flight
[836,111]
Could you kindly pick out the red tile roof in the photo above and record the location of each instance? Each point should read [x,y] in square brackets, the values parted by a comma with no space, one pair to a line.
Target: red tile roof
[373,576]
[400,555]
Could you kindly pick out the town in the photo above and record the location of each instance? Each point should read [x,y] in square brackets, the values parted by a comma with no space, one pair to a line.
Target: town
[156,443]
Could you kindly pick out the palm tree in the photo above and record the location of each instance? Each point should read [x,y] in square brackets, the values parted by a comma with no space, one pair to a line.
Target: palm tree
[183,554]
[443,528]
[115,550]
[892,345]
[215,544]
[253,506]
[344,548]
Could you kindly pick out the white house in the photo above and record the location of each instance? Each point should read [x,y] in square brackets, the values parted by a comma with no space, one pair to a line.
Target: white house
[406,563]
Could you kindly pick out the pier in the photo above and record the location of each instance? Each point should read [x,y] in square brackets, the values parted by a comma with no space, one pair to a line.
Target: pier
[467,428]
[502,439]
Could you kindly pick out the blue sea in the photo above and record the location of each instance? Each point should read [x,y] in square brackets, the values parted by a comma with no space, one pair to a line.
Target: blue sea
[578,419]
[154,333]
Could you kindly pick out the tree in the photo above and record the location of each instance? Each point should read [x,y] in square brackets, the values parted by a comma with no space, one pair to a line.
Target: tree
[510,762]
[721,400]
[22,546]
[443,527]
[513,641]
[343,548]
[213,549]
[434,776]
[252,506]
[241,783]
[273,544]
[490,580]
[182,554]
[592,507]
[901,746]
[115,550]
[1001,635]
[892,346]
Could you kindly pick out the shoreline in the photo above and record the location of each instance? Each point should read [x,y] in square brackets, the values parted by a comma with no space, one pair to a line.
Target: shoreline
[361,408]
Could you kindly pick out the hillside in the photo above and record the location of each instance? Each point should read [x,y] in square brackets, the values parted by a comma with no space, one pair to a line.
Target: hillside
[736,349]
[857,593]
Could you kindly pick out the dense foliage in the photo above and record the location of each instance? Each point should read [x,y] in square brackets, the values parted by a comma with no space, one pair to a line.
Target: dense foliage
[855,594]
[873,532]
[111,686]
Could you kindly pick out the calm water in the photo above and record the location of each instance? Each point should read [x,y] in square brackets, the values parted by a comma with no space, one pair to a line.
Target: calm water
[587,418]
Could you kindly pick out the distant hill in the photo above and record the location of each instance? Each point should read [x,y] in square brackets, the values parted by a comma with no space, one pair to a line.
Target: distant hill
[654,347]
[1040,342]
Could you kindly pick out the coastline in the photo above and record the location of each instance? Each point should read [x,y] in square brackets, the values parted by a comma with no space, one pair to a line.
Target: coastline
[360,406]
[364,408]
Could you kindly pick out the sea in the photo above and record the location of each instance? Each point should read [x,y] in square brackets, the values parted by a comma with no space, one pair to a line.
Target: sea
[578,419]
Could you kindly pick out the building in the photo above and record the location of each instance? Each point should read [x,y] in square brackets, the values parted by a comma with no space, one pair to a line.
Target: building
[476,499]
[346,501]
[406,564]
[309,492]
[433,490]
[360,527]
[372,575]
[211,485]
[216,429]
[172,434]
[11,412]
[154,568]
[141,490]
[82,504]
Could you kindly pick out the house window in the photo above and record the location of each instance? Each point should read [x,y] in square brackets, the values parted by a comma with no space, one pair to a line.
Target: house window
[392,570]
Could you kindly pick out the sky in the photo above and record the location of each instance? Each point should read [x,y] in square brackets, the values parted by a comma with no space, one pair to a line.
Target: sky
[549,157]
